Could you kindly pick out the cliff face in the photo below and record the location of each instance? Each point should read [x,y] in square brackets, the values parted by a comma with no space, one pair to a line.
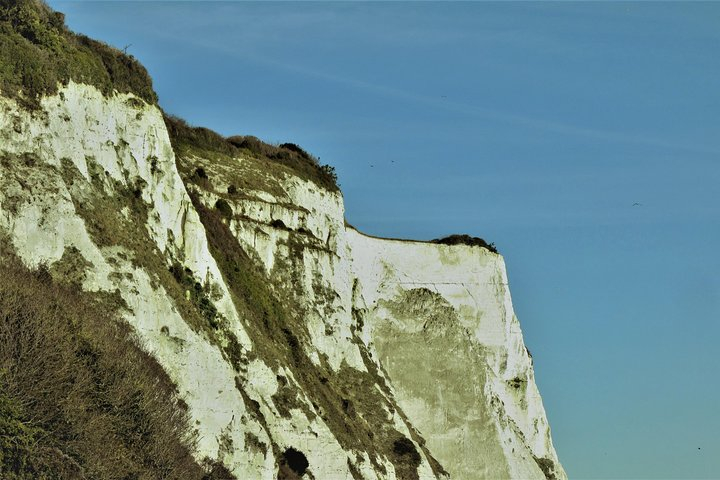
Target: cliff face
[301,346]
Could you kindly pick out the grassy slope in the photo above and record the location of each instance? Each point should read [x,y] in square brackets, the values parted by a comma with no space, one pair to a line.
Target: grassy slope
[78,397]
[38,53]
[278,160]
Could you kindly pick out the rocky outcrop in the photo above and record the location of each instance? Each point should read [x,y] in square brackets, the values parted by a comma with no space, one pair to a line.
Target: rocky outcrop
[301,347]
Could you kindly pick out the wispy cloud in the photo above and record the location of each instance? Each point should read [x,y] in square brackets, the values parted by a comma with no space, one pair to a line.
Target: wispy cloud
[439,103]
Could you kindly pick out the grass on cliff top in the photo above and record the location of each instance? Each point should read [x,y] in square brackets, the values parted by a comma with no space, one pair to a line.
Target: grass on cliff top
[79,399]
[38,53]
[207,143]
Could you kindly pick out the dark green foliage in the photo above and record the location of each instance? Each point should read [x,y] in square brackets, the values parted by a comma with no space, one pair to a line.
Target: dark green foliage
[199,294]
[201,173]
[234,351]
[302,163]
[405,448]
[547,466]
[204,138]
[78,398]
[296,148]
[37,52]
[224,208]
[517,382]
[466,240]
[328,173]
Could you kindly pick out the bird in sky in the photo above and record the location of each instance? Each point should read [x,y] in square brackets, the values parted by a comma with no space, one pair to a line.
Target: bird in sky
[636,204]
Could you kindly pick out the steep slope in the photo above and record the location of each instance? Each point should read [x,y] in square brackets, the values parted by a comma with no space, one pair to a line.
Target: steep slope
[301,347]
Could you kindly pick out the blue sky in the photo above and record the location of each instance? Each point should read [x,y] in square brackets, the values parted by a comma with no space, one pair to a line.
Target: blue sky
[536,126]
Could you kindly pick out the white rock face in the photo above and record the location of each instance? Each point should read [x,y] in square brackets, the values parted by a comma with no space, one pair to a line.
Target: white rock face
[442,322]
[430,327]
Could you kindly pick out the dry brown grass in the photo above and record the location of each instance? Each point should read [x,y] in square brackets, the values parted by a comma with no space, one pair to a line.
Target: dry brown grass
[78,397]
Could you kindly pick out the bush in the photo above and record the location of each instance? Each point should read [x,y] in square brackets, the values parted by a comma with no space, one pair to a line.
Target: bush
[465,240]
[547,466]
[296,149]
[224,208]
[199,294]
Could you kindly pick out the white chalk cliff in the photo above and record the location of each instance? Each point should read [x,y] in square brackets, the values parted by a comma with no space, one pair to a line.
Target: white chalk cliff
[374,358]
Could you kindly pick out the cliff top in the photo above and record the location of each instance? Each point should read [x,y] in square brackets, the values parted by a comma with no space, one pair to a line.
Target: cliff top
[38,53]
[455,239]
[209,144]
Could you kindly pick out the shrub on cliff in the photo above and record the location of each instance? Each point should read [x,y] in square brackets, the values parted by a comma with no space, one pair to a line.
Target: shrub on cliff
[38,52]
[466,240]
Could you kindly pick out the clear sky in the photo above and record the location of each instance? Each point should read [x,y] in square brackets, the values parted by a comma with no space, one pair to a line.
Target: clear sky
[537,126]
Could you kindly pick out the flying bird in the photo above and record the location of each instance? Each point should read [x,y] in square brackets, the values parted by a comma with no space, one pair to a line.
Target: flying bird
[636,204]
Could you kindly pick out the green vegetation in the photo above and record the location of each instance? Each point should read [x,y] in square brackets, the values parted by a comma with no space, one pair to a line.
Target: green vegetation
[78,397]
[289,157]
[517,383]
[199,294]
[224,208]
[466,240]
[547,466]
[38,52]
